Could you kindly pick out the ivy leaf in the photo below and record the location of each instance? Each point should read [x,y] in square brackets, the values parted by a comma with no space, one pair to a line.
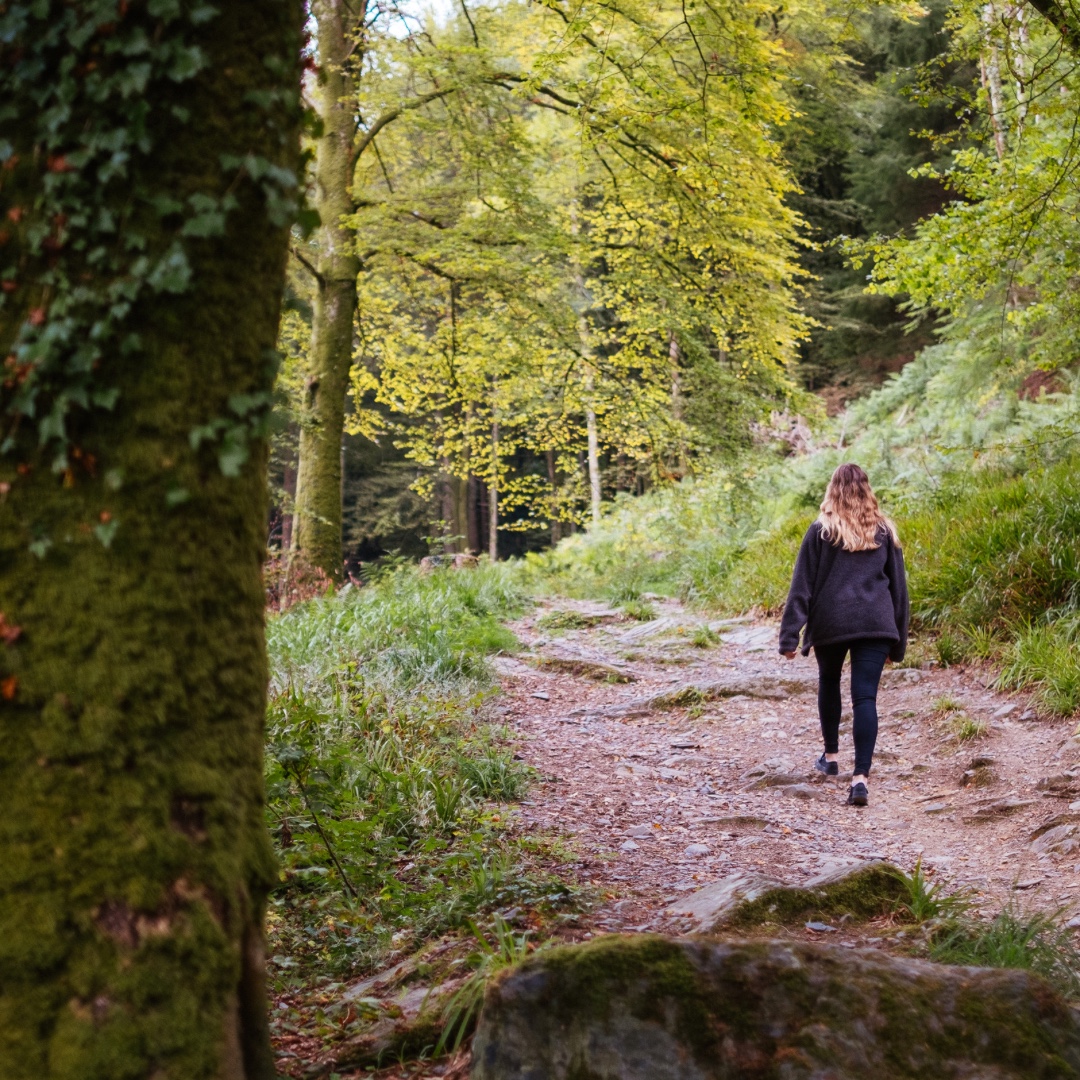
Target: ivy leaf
[234,452]
[172,273]
[242,404]
[307,220]
[202,13]
[106,532]
[187,62]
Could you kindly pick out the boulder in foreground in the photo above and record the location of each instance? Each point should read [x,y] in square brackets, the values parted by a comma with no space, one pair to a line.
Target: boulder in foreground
[655,1008]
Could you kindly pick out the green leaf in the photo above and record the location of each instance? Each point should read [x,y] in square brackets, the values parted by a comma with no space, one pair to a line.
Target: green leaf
[163,9]
[232,456]
[106,532]
[172,273]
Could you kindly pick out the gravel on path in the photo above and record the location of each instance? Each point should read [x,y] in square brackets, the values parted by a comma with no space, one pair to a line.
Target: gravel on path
[657,802]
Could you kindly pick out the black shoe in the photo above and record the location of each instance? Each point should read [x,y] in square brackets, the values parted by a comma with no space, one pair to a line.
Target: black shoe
[829,768]
[858,795]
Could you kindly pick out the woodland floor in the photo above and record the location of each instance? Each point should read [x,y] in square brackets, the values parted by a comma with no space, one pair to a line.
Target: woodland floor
[735,775]
[653,801]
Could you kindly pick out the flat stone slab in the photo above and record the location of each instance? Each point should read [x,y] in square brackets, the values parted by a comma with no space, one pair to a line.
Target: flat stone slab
[655,1008]
[586,666]
[861,888]
[759,686]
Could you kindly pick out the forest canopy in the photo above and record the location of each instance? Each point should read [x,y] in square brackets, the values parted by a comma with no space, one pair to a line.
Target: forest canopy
[578,254]
[596,248]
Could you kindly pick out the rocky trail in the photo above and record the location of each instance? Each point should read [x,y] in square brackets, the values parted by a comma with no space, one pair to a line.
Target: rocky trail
[676,753]
[673,779]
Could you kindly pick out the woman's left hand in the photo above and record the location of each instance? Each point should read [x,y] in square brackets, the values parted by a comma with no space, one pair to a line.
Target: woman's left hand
[790,655]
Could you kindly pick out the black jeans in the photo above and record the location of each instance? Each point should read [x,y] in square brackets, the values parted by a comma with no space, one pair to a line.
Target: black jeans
[868,656]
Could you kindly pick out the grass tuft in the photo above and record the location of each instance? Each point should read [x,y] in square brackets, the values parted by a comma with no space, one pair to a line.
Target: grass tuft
[924,902]
[964,728]
[947,704]
[1034,942]
[460,1012]
[639,610]
[704,637]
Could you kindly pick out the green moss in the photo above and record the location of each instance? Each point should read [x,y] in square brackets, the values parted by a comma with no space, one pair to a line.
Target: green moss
[587,979]
[136,859]
[865,894]
[772,1010]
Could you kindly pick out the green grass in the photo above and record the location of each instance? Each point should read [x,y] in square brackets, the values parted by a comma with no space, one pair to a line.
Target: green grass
[947,704]
[1012,939]
[924,902]
[385,781]
[1034,942]
[639,610]
[704,637]
[564,620]
[1044,656]
[964,728]
[460,1012]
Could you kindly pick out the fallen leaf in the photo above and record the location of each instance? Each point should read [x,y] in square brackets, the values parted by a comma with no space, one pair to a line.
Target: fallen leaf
[8,631]
[8,687]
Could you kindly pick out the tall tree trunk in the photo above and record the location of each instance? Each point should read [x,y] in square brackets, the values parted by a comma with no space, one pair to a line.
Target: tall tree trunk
[990,73]
[447,508]
[136,859]
[477,510]
[287,515]
[493,496]
[318,485]
[593,459]
[461,514]
[556,521]
[677,410]
[592,435]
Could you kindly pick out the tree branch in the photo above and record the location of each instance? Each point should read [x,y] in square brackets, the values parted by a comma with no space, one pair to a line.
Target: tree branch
[392,114]
[1062,20]
[300,258]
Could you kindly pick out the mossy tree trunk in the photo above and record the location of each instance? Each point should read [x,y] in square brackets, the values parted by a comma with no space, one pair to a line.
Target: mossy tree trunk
[318,485]
[135,857]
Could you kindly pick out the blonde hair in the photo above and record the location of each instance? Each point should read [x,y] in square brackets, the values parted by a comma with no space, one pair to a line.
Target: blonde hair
[850,516]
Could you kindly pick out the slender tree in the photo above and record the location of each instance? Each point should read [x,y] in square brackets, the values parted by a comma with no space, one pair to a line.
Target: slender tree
[147,182]
[317,533]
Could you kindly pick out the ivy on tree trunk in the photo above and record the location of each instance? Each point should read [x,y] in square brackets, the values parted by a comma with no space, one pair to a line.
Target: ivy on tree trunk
[136,860]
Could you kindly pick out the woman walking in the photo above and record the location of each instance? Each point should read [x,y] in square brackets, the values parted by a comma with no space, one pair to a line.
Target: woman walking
[850,592]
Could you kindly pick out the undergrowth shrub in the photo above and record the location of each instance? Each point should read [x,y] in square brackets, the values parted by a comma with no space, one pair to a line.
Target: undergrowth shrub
[993,549]
[383,778]
[990,527]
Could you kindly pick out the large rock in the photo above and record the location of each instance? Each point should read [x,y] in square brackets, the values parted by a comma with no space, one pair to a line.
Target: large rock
[861,890]
[654,1008]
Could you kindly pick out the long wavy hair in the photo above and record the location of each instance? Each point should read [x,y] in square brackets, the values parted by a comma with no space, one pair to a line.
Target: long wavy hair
[850,516]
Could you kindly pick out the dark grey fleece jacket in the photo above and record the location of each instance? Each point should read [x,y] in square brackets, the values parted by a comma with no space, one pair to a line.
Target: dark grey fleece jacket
[841,595]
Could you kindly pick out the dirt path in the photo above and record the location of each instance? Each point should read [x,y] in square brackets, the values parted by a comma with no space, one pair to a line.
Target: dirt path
[659,799]
[673,754]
